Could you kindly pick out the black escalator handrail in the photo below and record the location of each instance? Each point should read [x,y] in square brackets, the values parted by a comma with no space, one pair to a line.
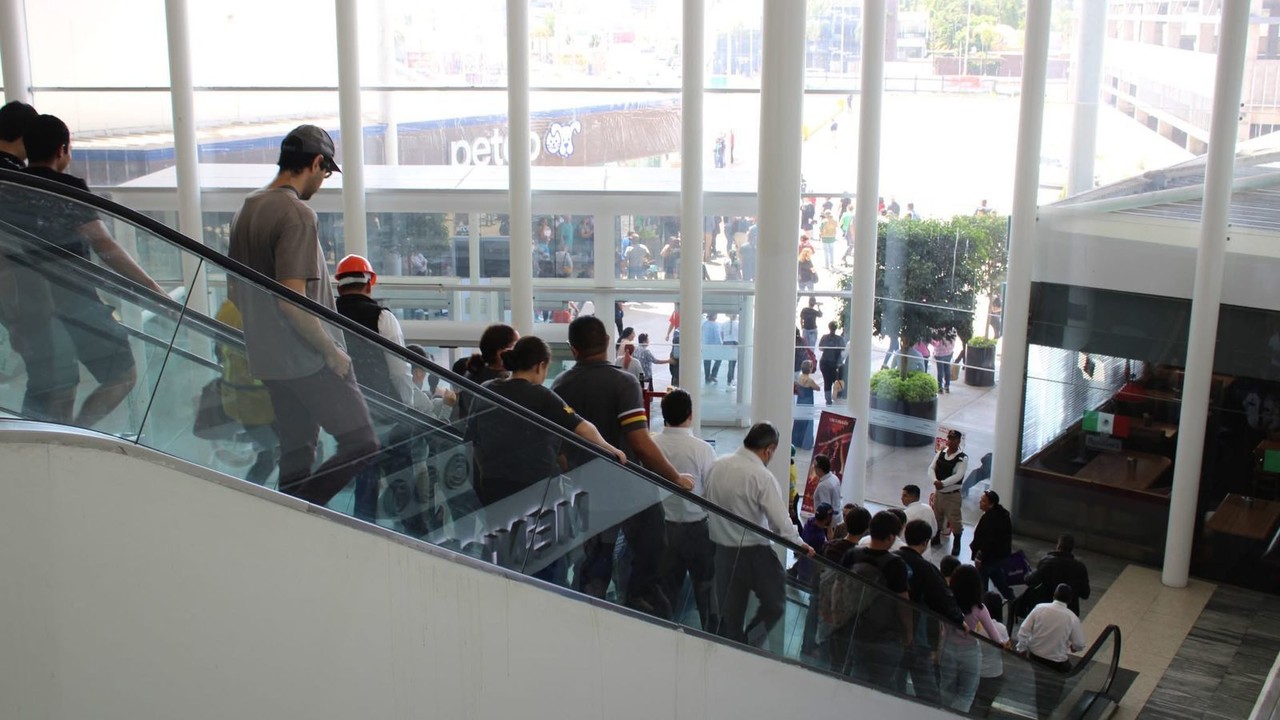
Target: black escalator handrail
[333,317]
[1093,650]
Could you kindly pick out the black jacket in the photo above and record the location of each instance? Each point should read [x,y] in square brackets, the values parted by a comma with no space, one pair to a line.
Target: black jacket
[1056,568]
[929,587]
[993,538]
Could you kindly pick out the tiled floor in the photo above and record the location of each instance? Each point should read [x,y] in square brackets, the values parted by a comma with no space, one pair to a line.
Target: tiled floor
[1224,661]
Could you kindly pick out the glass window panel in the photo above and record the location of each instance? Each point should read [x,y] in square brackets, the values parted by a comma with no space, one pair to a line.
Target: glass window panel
[115,136]
[448,127]
[578,43]
[734,47]
[277,32]
[80,43]
[404,42]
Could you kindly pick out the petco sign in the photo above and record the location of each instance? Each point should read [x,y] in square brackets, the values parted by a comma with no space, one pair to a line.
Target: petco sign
[496,148]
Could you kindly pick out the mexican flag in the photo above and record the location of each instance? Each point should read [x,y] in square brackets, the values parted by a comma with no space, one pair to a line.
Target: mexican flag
[1271,461]
[1106,423]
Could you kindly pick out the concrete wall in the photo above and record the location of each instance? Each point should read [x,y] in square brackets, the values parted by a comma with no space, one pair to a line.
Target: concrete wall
[135,589]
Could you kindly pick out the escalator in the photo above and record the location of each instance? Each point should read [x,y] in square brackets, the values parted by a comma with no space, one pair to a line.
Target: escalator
[422,483]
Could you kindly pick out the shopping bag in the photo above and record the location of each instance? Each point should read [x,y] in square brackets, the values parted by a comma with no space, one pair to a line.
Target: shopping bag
[212,422]
[1016,568]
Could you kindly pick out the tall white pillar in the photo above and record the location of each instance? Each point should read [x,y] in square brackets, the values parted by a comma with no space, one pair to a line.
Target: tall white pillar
[474,260]
[387,75]
[1203,332]
[354,222]
[1091,35]
[863,293]
[13,51]
[781,102]
[520,183]
[604,272]
[1022,237]
[692,51]
[182,97]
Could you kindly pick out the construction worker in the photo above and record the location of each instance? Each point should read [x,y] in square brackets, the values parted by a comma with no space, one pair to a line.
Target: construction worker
[382,373]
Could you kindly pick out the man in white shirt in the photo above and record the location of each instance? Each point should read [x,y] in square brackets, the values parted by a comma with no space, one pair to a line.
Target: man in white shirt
[917,510]
[828,489]
[1048,636]
[745,562]
[689,549]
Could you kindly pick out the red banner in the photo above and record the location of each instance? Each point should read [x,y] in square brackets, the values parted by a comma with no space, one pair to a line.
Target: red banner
[834,436]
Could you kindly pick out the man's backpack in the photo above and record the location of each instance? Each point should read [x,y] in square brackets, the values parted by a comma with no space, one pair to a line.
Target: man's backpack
[841,598]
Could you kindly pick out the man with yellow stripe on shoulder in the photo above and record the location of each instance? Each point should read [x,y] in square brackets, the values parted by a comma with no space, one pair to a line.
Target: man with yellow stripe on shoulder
[611,399]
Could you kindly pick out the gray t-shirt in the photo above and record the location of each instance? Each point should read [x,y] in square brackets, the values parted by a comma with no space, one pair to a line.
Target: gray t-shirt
[275,233]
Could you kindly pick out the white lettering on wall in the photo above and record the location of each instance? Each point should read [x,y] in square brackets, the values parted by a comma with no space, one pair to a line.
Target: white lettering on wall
[495,148]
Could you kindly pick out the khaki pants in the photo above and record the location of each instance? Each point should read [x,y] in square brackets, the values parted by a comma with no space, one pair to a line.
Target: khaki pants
[946,508]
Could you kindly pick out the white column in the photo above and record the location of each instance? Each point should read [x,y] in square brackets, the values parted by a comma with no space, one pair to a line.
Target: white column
[604,272]
[473,248]
[386,72]
[13,51]
[746,366]
[692,50]
[1026,182]
[863,293]
[182,97]
[1090,38]
[520,183]
[781,102]
[354,222]
[1207,297]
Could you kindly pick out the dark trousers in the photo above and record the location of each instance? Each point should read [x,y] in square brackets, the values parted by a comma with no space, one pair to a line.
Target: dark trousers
[394,465]
[993,572]
[710,369]
[830,374]
[741,571]
[733,364]
[646,540]
[988,691]
[303,407]
[876,661]
[690,553]
[1050,678]
[918,664]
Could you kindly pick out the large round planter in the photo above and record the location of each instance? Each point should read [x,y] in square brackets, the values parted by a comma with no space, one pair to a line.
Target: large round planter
[927,410]
[980,366]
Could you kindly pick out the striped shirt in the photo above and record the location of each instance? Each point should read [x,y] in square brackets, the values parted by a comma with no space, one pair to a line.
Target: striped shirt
[607,397]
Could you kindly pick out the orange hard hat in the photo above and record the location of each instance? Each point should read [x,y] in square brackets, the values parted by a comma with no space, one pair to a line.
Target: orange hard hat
[355,270]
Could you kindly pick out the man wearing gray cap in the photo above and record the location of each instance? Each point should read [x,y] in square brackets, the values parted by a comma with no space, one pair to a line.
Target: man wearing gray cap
[301,360]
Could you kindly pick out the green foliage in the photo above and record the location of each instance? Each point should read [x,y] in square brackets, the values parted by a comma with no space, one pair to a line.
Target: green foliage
[949,18]
[981,342]
[930,272]
[889,384]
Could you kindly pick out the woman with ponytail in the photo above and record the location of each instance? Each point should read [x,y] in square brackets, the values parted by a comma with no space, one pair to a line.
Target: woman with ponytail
[486,365]
[513,452]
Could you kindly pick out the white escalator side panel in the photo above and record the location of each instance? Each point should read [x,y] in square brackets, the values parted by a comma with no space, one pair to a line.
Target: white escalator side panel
[136,586]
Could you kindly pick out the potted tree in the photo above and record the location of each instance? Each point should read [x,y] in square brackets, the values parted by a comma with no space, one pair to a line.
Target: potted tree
[980,362]
[928,275]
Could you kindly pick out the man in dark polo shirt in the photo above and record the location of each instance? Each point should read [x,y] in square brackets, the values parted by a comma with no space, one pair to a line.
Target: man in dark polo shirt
[301,360]
[610,398]
[98,340]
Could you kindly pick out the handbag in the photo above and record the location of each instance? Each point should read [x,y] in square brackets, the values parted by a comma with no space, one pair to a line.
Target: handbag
[1016,568]
[212,421]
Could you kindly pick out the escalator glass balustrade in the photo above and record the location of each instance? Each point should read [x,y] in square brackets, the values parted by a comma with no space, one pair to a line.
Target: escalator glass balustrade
[156,353]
